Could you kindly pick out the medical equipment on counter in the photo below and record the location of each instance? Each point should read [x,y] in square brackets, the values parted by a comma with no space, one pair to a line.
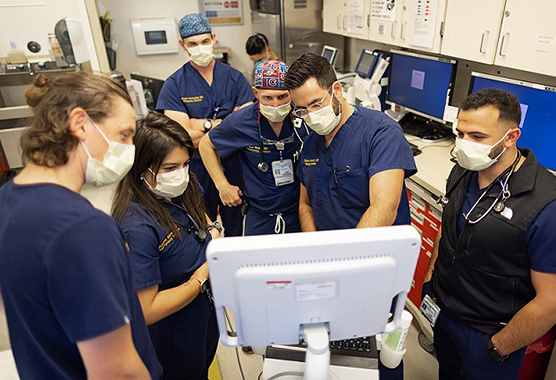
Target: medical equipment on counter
[330,53]
[368,82]
[318,286]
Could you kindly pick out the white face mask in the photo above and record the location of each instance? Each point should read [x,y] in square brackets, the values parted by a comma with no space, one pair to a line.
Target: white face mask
[117,161]
[201,55]
[475,156]
[275,114]
[170,185]
[324,120]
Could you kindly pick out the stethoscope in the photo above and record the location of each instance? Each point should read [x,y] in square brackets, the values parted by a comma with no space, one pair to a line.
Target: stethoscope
[280,145]
[498,205]
[200,234]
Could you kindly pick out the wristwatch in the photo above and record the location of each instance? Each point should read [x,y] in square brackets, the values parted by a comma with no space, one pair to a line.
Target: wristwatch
[215,225]
[494,353]
[202,284]
[207,125]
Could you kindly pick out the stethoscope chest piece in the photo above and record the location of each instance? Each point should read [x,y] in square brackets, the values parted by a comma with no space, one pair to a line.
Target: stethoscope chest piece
[262,166]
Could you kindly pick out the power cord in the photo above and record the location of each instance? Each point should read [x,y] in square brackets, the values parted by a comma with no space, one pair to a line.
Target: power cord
[236,349]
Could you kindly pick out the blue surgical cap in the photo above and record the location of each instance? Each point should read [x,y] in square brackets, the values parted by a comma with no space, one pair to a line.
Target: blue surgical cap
[194,24]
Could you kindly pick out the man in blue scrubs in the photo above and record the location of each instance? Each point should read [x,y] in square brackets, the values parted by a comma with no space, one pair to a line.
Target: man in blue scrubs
[352,169]
[269,146]
[198,96]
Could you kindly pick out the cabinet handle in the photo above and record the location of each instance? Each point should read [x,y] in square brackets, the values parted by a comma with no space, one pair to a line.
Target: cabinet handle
[338,18]
[369,21]
[345,22]
[502,44]
[394,25]
[404,29]
[483,41]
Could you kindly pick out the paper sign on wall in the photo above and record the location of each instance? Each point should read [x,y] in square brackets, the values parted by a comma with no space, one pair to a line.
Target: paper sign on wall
[423,23]
[355,16]
[384,10]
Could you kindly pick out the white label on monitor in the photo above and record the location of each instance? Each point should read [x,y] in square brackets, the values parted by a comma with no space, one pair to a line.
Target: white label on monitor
[524,108]
[450,113]
[315,291]
[418,79]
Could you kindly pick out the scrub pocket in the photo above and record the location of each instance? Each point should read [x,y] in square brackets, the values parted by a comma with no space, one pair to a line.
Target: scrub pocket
[353,188]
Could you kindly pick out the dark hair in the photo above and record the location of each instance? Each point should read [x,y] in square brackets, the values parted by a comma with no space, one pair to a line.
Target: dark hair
[156,136]
[506,103]
[48,141]
[308,66]
[256,44]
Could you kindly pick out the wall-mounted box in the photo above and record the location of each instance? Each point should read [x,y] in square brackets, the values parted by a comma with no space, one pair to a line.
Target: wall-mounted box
[155,35]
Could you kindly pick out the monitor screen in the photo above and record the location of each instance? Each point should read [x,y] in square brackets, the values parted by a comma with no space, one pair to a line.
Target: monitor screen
[420,83]
[538,114]
[330,53]
[151,88]
[156,37]
[366,64]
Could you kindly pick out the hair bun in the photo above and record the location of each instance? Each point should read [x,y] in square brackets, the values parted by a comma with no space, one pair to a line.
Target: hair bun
[38,90]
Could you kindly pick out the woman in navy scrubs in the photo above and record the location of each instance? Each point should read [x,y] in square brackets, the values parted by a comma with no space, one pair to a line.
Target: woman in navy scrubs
[159,208]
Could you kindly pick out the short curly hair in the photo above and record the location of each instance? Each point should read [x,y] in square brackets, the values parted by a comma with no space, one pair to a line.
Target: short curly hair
[48,141]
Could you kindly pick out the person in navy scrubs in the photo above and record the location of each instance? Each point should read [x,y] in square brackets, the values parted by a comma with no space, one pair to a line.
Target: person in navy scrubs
[269,142]
[72,311]
[159,208]
[198,96]
[352,169]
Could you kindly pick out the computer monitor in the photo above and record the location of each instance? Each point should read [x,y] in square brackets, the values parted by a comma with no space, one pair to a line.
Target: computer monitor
[343,282]
[151,89]
[538,113]
[366,63]
[330,53]
[420,83]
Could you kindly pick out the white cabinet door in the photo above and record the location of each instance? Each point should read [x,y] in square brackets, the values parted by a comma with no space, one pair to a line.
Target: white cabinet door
[422,22]
[385,21]
[528,36]
[334,17]
[472,28]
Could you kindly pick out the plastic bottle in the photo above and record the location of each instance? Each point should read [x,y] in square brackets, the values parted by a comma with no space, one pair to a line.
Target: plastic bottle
[392,350]
[57,53]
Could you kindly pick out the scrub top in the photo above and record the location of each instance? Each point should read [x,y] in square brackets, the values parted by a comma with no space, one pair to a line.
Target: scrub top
[240,133]
[337,177]
[186,340]
[65,277]
[187,91]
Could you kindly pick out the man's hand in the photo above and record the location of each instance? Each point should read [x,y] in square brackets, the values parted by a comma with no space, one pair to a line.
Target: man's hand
[230,195]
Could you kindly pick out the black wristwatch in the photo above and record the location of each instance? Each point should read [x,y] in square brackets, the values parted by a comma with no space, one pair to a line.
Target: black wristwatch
[202,284]
[215,225]
[207,125]
[494,353]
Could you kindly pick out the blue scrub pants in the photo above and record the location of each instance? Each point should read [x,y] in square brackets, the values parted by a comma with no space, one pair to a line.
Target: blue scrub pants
[231,216]
[260,223]
[462,351]
[186,341]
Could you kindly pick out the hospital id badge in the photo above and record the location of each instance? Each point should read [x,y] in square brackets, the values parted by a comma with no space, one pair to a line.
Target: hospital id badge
[283,172]
[430,310]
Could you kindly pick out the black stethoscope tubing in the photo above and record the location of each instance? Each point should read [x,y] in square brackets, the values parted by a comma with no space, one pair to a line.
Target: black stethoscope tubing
[200,234]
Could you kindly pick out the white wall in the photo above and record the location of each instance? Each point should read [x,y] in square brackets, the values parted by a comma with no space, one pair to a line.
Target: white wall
[161,66]
[34,23]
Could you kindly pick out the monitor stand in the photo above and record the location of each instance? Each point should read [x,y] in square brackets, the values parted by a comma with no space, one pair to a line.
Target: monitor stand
[424,128]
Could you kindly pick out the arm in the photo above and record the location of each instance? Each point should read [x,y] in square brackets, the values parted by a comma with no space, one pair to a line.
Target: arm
[194,127]
[533,320]
[229,194]
[385,190]
[434,255]
[214,232]
[306,211]
[112,356]
[158,305]
[243,105]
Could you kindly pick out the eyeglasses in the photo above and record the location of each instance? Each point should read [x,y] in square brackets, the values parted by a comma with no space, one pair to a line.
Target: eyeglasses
[303,112]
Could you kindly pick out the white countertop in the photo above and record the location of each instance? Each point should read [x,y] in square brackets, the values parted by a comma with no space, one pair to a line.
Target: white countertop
[433,164]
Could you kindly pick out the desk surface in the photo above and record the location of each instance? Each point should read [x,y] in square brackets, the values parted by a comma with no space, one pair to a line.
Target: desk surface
[433,164]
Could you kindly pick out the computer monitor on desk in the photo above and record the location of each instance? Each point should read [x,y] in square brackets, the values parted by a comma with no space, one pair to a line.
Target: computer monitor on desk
[319,286]
[151,89]
[538,113]
[330,53]
[422,85]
